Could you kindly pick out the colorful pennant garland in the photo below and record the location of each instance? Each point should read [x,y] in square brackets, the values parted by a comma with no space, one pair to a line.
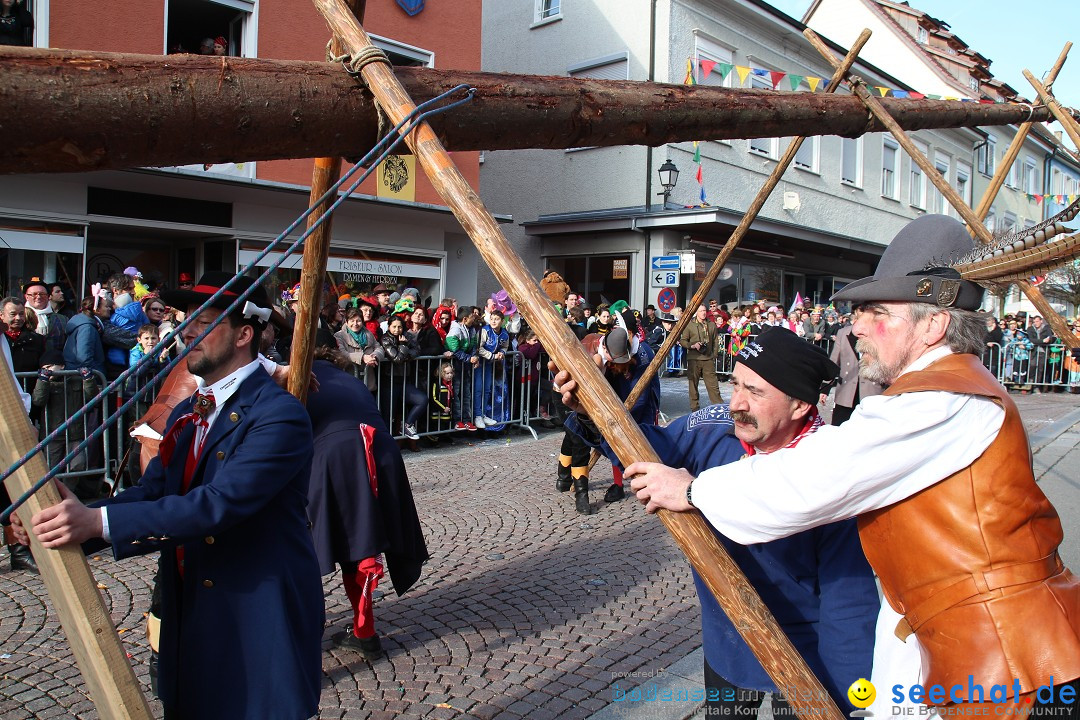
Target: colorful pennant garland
[777,77]
[699,175]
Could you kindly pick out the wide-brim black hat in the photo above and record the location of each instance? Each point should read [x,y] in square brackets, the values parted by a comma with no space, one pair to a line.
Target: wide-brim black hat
[213,281]
[917,267]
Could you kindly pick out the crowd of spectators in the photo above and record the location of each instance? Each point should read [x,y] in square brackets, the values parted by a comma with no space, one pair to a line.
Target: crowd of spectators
[436,371]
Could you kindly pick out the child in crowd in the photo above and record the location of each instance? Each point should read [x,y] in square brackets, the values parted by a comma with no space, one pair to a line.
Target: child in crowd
[537,396]
[489,384]
[461,341]
[442,395]
[147,339]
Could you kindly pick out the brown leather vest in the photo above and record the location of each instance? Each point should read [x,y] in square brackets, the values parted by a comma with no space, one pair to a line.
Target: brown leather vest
[971,562]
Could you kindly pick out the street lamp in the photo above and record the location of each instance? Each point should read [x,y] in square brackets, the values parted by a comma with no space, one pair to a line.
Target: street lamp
[669,175]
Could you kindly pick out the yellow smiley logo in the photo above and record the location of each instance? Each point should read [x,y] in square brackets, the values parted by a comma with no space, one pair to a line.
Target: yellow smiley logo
[861,693]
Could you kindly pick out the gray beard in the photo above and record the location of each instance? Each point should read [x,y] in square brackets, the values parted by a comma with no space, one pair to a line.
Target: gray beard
[872,369]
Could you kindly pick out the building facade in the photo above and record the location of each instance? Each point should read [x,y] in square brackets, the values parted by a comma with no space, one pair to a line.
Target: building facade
[598,215]
[78,229]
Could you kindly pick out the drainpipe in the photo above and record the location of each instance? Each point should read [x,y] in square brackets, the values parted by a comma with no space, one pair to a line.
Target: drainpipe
[1047,164]
[649,157]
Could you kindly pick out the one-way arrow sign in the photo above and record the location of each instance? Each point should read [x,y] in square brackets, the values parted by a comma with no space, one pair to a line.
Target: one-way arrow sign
[666,262]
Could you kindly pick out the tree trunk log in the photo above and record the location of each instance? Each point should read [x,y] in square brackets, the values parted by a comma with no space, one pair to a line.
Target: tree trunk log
[68,111]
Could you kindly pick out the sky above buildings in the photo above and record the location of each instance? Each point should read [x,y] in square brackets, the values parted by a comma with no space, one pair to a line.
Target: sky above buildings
[1014,35]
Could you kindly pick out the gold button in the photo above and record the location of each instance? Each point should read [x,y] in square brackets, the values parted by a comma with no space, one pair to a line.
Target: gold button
[220,454]
[209,539]
[234,417]
[208,583]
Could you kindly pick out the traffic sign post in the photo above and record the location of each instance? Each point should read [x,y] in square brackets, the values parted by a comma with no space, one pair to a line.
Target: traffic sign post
[665,300]
[665,278]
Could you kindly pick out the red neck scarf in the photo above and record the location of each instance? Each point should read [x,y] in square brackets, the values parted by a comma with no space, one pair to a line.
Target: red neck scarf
[813,422]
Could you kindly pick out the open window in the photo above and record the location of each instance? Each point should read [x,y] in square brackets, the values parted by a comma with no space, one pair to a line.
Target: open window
[192,23]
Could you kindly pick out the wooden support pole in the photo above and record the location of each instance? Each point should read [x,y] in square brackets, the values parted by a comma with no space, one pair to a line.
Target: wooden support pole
[736,236]
[721,574]
[1066,120]
[101,657]
[1060,327]
[325,173]
[180,109]
[1013,151]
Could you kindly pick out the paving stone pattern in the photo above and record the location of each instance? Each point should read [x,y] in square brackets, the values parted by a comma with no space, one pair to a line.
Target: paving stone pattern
[526,608]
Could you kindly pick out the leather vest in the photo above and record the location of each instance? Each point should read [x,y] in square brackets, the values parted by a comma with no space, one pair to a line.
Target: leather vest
[971,561]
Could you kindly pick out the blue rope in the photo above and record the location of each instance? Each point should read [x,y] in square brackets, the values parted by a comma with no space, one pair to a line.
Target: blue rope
[369,162]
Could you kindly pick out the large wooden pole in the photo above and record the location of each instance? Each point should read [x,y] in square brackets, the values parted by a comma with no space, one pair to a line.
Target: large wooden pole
[1066,120]
[736,236]
[325,173]
[721,574]
[100,655]
[96,111]
[1061,328]
[1013,151]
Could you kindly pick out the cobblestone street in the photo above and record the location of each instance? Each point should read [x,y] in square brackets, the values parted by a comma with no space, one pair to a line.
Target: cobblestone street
[526,609]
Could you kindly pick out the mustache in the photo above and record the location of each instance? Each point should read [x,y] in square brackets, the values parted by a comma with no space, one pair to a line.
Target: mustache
[863,346]
[741,416]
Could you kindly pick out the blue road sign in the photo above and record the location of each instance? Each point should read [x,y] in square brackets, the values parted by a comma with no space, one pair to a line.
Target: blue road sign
[666,262]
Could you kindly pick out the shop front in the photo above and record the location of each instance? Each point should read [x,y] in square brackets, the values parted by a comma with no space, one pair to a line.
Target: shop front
[53,253]
[355,271]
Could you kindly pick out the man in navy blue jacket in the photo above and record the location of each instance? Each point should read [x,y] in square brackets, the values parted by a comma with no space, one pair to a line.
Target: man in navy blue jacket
[242,602]
[817,583]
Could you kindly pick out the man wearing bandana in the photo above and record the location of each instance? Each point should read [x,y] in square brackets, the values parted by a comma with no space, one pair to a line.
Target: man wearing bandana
[938,472]
[817,583]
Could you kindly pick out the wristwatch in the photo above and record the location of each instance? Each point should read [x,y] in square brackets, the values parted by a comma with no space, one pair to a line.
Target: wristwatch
[689,492]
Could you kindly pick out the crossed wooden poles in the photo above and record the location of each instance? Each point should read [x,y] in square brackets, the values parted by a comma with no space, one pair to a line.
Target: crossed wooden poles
[93,638]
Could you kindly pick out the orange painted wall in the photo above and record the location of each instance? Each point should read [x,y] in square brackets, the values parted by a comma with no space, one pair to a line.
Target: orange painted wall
[294,30]
[132,26]
[289,30]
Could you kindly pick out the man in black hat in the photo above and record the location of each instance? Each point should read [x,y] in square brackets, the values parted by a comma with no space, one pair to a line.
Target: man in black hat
[242,603]
[817,582]
[938,471]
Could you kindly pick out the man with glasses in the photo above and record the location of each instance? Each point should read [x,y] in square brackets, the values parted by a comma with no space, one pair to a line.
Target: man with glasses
[185,281]
[49,324]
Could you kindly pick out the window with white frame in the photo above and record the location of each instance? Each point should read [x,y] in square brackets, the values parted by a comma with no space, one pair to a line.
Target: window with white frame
[917,184]
[194,26]
[890,168]
[1011,176]
[1008,222]
[609,67]
[986,155]
[941,164]
[1029,178]
[851,172]
[547,10]
[763,146]
[1057,182]
[963,182]
[709,54]
[989,221]
[807,156]
[402,55]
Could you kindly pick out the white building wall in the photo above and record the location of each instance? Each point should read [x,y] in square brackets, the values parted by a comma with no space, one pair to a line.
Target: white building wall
[843,20]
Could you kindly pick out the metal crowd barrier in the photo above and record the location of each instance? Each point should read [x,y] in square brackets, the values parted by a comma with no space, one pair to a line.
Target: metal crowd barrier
[503,391]
[1021,366]
[54,399]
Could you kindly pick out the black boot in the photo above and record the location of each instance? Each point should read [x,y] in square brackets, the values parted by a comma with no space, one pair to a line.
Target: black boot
[564,481]
[581,496]
[22,559]
[614,493]
[153,672]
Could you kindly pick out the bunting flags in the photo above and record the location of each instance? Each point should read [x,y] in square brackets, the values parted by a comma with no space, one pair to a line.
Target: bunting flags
[1059,199]
[706,67]
[777,77]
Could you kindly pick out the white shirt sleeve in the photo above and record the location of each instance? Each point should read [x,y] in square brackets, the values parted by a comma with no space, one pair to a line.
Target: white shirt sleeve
[105,525]
[23,395]
[890,449]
